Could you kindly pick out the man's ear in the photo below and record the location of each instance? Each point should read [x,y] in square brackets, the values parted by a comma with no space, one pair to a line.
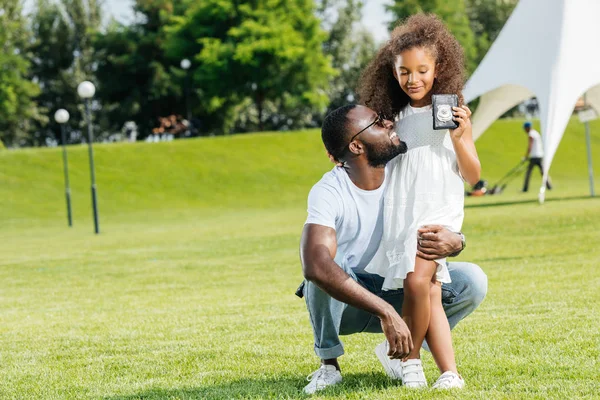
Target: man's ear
[356,147]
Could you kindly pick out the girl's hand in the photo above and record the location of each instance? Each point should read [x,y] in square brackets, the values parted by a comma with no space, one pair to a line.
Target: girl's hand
[462,115]
[467,109]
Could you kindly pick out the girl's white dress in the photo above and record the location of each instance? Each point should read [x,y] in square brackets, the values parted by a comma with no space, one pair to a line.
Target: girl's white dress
[424,187]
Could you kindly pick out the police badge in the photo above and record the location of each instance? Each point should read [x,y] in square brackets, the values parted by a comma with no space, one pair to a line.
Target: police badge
[442,111]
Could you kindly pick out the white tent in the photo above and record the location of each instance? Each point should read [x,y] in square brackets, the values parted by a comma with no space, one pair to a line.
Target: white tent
[548,49]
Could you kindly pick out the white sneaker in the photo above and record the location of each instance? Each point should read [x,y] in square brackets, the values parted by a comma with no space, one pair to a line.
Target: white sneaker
[449,380]
[413,375]
[393,368]
[322,378]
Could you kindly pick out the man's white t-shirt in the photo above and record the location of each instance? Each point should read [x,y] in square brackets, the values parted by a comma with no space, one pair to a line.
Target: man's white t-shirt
[537,150]
[355,214]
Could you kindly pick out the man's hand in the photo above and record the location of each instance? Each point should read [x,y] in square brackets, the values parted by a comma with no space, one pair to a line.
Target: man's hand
[435,241]
[397,334]
[318,247]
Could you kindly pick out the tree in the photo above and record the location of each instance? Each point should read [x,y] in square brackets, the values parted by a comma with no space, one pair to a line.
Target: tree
[17,93]
[350,47]
[452,12]
[62,57]
[487,17]
[137,81]
[264,55]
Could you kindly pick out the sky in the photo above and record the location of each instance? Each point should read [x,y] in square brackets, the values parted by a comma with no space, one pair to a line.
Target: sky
[375,18]
[372,14]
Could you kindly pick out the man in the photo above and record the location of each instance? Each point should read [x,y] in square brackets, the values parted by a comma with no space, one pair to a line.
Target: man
[535,153]
[341,235]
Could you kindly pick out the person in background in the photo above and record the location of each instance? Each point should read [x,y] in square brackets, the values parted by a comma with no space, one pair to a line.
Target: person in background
[535,153]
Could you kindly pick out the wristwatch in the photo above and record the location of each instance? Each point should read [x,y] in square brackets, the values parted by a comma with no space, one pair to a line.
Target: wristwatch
[463,240]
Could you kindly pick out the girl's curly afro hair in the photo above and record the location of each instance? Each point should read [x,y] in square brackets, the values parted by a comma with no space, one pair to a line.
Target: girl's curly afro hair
[379,90]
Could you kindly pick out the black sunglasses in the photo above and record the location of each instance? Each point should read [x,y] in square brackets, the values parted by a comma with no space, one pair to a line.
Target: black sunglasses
[378,121]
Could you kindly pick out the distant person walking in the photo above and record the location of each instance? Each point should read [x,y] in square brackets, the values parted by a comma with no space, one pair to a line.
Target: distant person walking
[535,153]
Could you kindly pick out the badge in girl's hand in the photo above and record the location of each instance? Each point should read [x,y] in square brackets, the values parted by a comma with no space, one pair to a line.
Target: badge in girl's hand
[442,111]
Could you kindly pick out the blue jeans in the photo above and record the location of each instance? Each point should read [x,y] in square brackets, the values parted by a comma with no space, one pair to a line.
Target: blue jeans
[331,318]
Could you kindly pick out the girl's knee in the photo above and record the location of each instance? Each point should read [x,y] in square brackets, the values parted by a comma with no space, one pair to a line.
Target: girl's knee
[435,291]
[415,284]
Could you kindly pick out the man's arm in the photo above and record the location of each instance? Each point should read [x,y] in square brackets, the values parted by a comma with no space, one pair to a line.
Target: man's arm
[435,242]
[317,251]
[529,146]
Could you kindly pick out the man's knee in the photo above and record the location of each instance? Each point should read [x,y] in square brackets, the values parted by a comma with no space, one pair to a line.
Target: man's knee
[478,285]
[473,282]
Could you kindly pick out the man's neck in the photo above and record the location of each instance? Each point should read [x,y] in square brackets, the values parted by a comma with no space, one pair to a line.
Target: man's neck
[364,176]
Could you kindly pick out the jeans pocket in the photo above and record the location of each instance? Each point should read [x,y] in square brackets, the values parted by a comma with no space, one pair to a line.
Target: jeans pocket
[448,295]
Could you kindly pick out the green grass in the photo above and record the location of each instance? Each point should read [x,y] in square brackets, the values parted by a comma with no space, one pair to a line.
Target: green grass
[188,291]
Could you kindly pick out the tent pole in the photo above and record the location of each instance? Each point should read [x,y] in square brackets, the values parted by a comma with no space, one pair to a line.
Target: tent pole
[589,153]
[589,157]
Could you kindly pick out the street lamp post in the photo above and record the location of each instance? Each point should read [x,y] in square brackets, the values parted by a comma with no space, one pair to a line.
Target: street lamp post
[185,65]
[62,117]
[86,91]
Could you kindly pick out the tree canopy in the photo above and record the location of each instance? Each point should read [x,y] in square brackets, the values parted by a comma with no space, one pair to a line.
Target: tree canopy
[255,64]
[18,108]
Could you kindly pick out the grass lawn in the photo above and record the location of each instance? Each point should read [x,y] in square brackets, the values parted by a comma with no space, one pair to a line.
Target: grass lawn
[188,291]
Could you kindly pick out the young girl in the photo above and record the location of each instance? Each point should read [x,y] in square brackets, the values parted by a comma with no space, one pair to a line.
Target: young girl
[425,186]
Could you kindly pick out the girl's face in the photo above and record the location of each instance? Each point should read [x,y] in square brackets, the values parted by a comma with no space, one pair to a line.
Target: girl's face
[415,72]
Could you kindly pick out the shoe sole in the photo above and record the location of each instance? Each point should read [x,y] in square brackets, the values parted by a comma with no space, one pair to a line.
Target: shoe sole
[448,388]
[381,352]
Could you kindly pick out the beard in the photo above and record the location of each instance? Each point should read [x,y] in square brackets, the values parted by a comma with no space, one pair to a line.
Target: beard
[378,155]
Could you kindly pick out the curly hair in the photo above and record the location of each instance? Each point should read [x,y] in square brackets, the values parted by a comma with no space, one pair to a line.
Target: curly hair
[379,90]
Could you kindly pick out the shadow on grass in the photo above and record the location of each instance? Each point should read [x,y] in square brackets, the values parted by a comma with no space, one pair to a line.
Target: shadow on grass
[261,388]
[529,201]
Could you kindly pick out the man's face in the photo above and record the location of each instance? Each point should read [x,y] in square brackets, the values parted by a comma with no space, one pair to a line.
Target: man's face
[381,143]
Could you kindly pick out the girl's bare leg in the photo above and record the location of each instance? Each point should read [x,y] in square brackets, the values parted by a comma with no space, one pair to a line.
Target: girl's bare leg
[438,336]
[416,307]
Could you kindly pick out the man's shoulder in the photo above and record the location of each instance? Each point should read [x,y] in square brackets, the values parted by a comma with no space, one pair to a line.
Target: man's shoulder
[330,192]
[326,200]
[331,181]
